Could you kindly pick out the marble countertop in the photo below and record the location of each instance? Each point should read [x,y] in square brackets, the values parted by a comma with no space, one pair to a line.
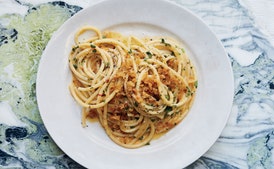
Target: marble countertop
[245,29]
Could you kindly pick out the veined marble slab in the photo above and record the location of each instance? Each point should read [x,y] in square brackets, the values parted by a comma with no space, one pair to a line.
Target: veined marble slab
[248,138]
[260,12]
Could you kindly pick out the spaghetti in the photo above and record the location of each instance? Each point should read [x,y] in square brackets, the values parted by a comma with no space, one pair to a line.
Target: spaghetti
[137,88]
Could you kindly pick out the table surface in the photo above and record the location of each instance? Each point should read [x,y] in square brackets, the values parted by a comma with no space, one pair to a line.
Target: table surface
[244,28]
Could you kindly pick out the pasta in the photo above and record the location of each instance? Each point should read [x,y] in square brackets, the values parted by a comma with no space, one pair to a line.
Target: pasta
[136,87]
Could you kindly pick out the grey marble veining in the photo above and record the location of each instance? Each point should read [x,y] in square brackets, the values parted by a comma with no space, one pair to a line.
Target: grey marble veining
[247,140]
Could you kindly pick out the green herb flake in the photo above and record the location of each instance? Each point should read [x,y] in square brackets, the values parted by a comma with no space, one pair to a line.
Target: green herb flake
[94,50]
[136,104]
[168,109]
[107,64]
[74,48]
[130,51]
[75,60]
[196,84]
[93,46]
[75,66]
[149,54]
[127,108]
[188,91]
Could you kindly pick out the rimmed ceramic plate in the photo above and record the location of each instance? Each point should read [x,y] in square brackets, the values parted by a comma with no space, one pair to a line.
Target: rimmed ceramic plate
[181,146]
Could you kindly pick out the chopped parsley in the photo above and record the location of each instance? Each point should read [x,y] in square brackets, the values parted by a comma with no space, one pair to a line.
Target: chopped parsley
[196,84]
[136,104]
[107,64]
[164,42]
[75,60]
[149,54]
[75,66]
[93,46]
[148,143]
[168,109]
[130,51]
[188,92]
[74,48]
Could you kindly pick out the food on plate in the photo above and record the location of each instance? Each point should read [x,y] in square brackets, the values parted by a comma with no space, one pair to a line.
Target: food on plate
[136,87]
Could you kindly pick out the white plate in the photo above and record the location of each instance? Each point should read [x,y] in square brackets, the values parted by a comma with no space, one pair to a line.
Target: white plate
[179,147]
